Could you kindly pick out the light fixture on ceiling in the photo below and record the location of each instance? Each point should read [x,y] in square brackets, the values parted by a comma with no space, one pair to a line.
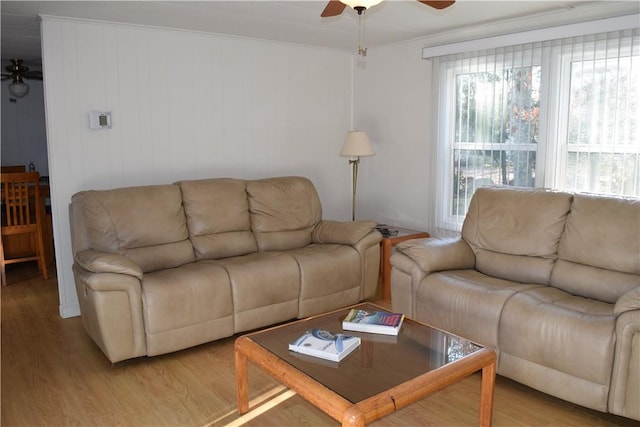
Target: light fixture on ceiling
[360,6]
[17,72]
[18,88]
[356,145]
[361,3]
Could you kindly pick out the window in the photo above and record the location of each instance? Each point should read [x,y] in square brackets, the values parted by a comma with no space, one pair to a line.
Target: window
[561,114]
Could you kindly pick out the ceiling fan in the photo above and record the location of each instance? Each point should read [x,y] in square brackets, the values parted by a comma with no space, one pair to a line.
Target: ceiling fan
[336,7]
[18,72]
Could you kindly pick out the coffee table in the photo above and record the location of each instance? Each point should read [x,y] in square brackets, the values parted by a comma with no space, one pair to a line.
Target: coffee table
[384,374]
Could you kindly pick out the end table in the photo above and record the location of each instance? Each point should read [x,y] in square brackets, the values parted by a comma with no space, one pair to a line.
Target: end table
[386,246]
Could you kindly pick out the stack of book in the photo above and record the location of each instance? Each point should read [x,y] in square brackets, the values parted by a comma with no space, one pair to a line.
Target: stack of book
[376,322]
[325,344]
[336,346]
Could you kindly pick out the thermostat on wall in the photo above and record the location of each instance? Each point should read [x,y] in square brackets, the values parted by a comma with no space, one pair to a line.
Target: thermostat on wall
[99,120]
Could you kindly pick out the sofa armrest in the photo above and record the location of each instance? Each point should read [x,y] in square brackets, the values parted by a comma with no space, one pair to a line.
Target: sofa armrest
[342,232]
[111,306]
[625,377]
[434,254]
[627,302]
[110,296]
[624,390]
[363,237]
[405,277]
[105,262]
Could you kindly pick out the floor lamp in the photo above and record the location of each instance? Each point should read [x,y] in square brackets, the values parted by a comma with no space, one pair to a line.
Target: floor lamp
[356,145]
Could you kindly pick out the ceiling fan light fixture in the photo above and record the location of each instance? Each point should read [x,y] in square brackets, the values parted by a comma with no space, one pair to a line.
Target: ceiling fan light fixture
[19,88]
[366,4]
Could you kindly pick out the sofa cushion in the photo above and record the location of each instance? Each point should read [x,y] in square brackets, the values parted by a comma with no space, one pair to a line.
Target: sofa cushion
[284,211]
[564,333]
[466,303]
[217,213]
[265,288]
[330,277]
[126,221]
[598,253]
[186,306]
[515,232]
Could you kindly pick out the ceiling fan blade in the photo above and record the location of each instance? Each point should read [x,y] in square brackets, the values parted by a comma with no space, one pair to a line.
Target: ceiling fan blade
[334,8]
[33,75]
[437,4]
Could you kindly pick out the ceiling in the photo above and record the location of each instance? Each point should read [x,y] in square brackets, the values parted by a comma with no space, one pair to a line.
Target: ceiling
[300,22]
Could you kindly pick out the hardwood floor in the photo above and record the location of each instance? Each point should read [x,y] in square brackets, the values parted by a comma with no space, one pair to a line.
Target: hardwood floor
[53,375]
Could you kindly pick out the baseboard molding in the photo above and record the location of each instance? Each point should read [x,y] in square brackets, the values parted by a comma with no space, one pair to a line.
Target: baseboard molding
[69,311]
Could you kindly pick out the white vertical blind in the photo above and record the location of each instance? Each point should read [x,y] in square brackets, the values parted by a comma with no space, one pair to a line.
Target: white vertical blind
[603,126]
[561,114]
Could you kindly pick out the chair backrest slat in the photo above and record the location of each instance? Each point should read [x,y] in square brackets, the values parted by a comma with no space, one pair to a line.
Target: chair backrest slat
[21,198]
[22,214]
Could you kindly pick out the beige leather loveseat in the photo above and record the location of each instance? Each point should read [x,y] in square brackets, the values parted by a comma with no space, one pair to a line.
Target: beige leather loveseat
[550,280]
[161,268]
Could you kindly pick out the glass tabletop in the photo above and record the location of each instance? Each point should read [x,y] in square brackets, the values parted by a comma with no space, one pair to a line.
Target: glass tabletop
[381,361]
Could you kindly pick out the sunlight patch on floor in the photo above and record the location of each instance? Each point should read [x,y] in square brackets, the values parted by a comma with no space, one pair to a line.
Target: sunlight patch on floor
[261,404]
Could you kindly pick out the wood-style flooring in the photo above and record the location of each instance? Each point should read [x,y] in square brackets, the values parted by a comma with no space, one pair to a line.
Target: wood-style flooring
[54,375]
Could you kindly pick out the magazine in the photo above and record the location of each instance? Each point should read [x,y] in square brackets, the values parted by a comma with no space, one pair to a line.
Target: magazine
[325,344]
[377,322]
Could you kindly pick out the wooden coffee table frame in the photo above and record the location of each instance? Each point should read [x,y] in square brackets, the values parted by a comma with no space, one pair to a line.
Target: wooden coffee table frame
[372,408]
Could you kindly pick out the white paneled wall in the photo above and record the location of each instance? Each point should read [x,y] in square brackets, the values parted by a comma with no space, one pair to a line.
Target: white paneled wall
[393,104]
[188,105]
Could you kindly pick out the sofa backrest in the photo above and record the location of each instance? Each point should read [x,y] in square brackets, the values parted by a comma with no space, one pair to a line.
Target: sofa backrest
[515,232]
[283,212]
[218,218]
[146,224]
[599,253]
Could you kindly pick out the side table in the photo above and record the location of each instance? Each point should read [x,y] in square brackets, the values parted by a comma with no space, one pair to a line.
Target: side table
[386,246]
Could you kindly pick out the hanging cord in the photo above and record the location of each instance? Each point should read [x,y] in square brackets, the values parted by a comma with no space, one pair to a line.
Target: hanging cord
[362,51]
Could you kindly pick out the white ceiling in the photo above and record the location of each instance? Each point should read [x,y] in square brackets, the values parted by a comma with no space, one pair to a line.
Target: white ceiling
[300,22]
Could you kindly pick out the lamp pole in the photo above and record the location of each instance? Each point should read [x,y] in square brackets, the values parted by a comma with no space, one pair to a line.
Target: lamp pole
[356,145]
[354,165]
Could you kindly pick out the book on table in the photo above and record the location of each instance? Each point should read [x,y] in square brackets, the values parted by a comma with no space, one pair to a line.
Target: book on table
[376,322]
[325,344]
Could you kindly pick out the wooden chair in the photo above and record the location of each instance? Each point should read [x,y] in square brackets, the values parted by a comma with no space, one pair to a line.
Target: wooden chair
[22,215]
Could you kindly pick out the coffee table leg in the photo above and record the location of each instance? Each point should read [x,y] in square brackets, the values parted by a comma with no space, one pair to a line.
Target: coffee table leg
[353,417]
[242,382]
[486,394]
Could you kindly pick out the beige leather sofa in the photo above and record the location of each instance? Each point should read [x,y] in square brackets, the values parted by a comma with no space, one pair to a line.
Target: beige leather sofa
[161,268]
[550,280]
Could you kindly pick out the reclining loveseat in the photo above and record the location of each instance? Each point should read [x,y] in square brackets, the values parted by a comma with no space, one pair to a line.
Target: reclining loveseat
[550,280]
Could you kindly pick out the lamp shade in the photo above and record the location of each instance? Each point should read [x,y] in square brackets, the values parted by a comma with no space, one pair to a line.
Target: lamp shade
[357,144]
